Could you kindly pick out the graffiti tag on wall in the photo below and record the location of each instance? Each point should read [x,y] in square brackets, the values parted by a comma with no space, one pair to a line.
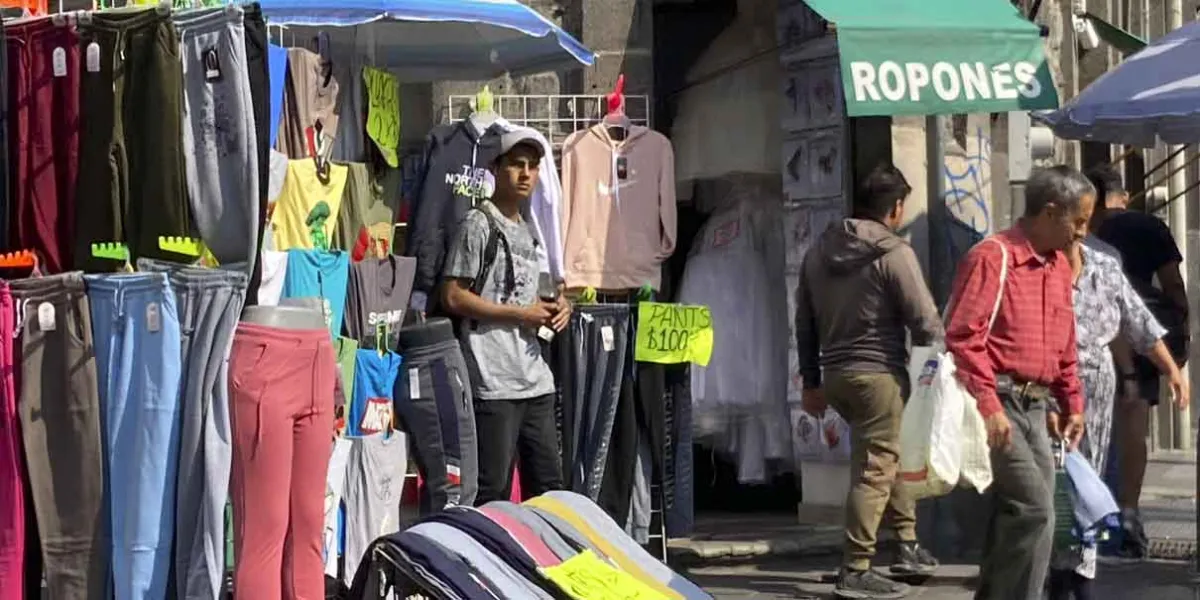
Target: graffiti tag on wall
[967,181]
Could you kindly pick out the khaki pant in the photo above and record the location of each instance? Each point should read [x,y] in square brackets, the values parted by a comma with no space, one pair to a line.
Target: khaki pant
[872,403]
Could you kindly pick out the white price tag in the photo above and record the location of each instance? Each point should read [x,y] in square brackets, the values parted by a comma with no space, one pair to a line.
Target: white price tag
[606,338]
[93,58]
[153,318]
[45,315]
[414,384]
[59,60]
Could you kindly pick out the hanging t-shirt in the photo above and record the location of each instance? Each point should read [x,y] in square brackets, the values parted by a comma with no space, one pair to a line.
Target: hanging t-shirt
[370,409]
[363,214]
[376,298]
[306,212]
[277,59]
[309,102]
[274,270]
[346,349]
[317,273]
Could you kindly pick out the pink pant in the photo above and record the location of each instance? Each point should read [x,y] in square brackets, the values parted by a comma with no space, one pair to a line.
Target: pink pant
[281,390]
[12,496]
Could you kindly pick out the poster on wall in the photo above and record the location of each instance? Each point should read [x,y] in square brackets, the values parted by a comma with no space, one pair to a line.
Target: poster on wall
[802,223]
[814,164]
[812,98]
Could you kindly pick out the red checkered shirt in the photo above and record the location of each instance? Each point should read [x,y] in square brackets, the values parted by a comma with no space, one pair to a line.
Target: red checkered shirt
[1033,338]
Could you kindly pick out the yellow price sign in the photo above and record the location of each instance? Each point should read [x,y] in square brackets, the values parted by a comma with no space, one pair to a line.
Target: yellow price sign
[383,112]
[673,333]
[586,577]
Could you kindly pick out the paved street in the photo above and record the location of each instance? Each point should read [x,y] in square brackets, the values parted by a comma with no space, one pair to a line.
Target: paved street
[812,578]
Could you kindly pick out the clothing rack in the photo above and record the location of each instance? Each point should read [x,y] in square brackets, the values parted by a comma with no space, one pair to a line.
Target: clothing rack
[555,116]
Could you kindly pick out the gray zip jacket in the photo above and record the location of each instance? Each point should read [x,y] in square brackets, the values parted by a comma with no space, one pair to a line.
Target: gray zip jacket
[860,289]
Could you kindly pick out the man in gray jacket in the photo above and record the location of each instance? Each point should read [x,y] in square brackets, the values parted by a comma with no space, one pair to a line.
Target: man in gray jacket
[860,289]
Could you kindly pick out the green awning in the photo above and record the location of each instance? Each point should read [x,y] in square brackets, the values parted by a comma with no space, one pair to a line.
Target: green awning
[1116,37]
[926,57]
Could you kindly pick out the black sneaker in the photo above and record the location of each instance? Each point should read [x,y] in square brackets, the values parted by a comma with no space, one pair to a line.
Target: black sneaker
[869,585]
[912,559]
[1134,543]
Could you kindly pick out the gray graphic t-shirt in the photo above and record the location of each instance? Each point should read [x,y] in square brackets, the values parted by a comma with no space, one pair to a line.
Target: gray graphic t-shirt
[508,361]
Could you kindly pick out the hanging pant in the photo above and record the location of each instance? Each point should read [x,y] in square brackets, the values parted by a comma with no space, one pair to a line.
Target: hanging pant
[281,385]
[131,164]
[60,409]
[137,355]
[434,401]
[256,68]
[208,302]
[5,147]
[590,399]
[43,87]
[12,472]
[221,152]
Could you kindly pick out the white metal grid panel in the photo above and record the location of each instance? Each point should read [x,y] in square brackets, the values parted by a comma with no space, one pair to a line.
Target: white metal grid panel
[556,116]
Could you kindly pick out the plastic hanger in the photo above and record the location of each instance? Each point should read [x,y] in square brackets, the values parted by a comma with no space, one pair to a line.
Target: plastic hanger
[188,247]
[587,296]
[21,259]
[615,119]
[484,110]
[113,251]
[645,293]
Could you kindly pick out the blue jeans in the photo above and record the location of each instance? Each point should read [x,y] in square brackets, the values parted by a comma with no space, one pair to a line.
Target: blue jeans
[137,342]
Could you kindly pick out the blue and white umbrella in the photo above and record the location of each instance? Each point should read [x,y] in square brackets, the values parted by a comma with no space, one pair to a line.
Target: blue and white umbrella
[429,40]
[1152,96]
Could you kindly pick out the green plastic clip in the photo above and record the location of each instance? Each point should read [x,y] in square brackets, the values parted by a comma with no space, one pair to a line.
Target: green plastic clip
[188,247]
[587,296]
[111,251]
[645,293]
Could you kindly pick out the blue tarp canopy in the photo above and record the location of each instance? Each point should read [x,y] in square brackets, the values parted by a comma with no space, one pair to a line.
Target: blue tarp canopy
[1152,96]
[427,40]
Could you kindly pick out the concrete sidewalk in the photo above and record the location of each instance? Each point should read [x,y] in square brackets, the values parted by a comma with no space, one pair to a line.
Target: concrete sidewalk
[1168,509]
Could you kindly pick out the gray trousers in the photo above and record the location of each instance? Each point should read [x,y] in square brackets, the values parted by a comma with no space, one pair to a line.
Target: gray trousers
[220,147]
[1021,532]
[592,390]
[434,400]
[209,302]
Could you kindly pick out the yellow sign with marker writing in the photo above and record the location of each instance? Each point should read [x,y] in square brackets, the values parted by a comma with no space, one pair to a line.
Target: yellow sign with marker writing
[586,577]
[674,333]
[383,112]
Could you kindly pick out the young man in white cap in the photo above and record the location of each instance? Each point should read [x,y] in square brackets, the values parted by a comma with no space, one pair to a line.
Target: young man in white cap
[491,281]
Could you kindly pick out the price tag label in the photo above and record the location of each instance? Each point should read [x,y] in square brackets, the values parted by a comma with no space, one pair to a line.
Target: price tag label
[93,58]
[45,316]
[59,61]
[586,577]
[153,318]
[606,338]
[414,384]
[674,333]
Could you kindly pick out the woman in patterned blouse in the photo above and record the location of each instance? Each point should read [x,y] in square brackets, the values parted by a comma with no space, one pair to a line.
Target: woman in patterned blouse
[1105,306]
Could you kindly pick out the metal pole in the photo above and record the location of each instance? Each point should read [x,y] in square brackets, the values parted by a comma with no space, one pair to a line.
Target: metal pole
[1178,222]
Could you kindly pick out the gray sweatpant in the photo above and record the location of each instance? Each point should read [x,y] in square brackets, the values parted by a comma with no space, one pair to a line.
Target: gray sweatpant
[220,147]
[433,397]
[209,302]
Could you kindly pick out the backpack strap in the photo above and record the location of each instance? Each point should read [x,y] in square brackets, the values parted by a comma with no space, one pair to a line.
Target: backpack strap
[491,249]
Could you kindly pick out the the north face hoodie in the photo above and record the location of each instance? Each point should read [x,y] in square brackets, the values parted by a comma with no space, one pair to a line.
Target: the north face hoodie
[860,288]
[456,159]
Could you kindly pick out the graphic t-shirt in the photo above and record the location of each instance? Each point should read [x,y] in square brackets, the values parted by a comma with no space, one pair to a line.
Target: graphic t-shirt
[507,358]
[306,212]
[319,274]
[376,298]
[371,404]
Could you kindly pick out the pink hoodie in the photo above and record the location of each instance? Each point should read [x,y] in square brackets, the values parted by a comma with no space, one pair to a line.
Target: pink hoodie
[617,232]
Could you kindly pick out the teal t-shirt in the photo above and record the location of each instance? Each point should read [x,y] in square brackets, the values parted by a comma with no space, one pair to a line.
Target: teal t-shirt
[319,273]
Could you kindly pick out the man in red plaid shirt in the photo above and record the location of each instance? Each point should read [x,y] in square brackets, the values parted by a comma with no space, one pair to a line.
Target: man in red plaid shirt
[1023,371]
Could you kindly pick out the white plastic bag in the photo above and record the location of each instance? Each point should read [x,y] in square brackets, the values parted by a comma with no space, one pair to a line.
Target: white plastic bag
[943,437]
[931,430]
[820,439]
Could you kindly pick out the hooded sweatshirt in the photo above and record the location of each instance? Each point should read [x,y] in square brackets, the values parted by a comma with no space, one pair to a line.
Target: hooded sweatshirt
[456,158]
[860,288]
[618,208]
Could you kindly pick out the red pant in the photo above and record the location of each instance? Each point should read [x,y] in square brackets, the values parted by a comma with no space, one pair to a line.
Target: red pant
[44,67]
[281,394]
[12,496]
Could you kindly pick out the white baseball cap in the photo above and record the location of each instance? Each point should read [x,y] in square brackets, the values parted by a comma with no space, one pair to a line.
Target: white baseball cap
[521,135]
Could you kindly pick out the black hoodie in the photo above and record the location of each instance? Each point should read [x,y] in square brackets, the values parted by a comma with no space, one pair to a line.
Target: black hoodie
[860,288]
[456,157]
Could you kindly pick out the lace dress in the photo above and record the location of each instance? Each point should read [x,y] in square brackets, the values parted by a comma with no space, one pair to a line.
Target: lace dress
[1105,306]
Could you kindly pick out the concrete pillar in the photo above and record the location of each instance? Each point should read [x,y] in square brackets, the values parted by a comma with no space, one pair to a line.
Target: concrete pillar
[621,33]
